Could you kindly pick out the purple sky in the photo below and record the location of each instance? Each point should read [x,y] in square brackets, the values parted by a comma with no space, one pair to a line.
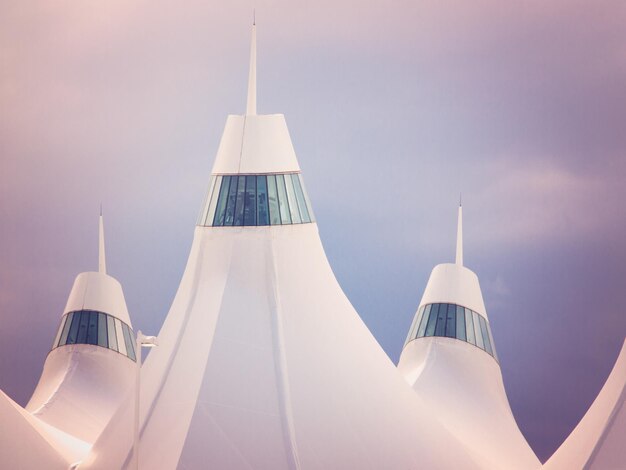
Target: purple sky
[393,107]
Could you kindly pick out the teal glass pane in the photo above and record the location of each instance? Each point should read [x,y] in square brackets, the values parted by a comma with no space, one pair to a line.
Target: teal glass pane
[451,321]
[92,328]
[283,204]
[241,191]
[460,323]
[272,195]
[414,325]
[229,217]
[304,211]
[261,200]
[220,211]
[485,333]
[421,329]
[477,331]
[102,330]
[293,203]
[442,314]
[469,326]
[73,333]
[129,341]
[250,203]
[212,202]
[81,337]
[432,321]
[112,334]
[66,328]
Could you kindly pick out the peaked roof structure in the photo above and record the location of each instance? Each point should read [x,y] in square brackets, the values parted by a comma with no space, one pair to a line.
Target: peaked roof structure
[90,367]
[262,362]
[449,360]
[278,369]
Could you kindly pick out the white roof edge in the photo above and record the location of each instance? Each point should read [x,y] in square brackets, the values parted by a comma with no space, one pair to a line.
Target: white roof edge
[98,291]
[255,144]
[453,283]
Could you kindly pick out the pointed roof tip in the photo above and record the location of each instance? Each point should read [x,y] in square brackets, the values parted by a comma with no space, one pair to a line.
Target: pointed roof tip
[102,266]
[459,237]
[251,103]
[460,199]
[254,17]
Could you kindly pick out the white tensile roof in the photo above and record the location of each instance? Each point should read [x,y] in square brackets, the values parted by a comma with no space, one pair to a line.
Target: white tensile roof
[263,363]
[454,375]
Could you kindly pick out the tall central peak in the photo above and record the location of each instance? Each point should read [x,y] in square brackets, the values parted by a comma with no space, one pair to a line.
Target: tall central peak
[256,178]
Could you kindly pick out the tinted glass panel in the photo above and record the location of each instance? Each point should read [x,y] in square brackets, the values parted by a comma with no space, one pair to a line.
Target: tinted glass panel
[55,343]
[73,334]
[92,328]
[285,216]
[414,325]
[81,337]
[97,328]
[121,344]
[111,333]
[249,200]
[422,326]
[272,194]
[262,208]
[432,321]
[66,328]
[220,211]
[483,330]
[241,190]
[229,217]
[129,341]
[494,353]
[469,322]
[293,204]
[304,213]
[479,336]
[451,321]
[102,330]
[213,201]
[440,329]
[249,209]
[460,322]
[205,203]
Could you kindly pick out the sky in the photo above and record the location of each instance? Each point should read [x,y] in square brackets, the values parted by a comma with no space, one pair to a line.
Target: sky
[394,109]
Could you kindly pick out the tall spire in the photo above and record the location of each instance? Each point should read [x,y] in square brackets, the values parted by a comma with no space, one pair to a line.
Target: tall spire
[459,236]
[102,264]
[251,105]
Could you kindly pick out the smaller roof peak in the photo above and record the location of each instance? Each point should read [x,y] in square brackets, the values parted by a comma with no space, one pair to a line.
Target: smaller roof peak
[459,237]
[102,265]
[251,103]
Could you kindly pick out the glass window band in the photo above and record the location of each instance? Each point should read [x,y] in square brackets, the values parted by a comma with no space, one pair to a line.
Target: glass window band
[256,200]
[453,321]
[95,328]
